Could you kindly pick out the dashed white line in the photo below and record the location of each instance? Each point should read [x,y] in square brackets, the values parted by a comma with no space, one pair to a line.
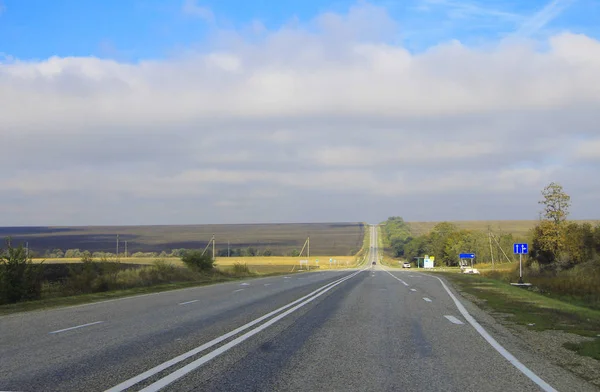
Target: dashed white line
[454,320]
[267,284]
[244,284]
[189,302]
[238,290]
[413,290]
[76,327]
[426,299]
[398,279]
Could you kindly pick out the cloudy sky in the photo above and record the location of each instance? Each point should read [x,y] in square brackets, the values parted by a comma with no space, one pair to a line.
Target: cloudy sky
[221,111]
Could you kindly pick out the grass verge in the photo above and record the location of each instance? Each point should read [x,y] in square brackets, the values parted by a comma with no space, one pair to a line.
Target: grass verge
[533,310]
[56,302]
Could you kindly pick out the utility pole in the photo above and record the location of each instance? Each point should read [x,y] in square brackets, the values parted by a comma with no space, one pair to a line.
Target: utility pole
[308,251]
[117,245]
[213,241]
[125,249]
[228,249]
[27,250]
[491,249]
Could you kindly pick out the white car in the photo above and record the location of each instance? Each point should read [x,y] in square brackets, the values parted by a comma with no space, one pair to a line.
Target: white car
[406,265]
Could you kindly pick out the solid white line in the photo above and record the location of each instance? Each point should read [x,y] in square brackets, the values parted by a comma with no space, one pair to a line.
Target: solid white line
[163,382]
[454,320]
[189,302]
[398,279]
[413,290]
[267,284]
[426,299]
[79,326]
[165,365]
[509,357]
[238,290]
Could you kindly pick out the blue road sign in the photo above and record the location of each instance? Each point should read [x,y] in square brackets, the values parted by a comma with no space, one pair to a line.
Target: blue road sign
[467,255]
[520,249]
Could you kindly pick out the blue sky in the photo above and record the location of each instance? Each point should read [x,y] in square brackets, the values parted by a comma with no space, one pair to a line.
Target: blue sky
[130,30]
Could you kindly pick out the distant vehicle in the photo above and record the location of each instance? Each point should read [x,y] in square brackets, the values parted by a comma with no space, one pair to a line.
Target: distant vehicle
[374,262]
[406,265]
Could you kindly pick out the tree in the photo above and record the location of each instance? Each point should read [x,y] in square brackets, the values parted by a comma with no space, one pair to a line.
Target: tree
[556,203]
[198,261]
[72,253]
[549,236]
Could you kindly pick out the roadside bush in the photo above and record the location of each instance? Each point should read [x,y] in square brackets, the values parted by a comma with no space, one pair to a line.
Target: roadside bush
[81,277]
[197,261]
[240,269]
[20,279]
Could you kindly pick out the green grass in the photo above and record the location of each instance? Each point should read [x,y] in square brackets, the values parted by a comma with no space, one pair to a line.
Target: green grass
[534,310]
[56,302]
[588,349]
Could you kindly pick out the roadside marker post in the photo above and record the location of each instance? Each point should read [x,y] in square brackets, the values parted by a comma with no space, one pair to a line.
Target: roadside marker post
[521,249]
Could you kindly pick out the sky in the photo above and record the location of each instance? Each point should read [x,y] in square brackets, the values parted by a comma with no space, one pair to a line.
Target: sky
[191,111]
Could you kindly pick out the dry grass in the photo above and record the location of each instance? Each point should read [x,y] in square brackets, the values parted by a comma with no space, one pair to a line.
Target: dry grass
[518,228]
[260,265]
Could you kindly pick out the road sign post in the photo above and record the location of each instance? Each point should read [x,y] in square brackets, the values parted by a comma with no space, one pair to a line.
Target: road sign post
[521,249]
[464,257]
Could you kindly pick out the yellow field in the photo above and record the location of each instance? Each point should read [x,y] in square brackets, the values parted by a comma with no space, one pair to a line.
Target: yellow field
[258,263]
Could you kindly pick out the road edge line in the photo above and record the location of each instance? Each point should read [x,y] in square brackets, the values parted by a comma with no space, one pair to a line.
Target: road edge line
[497,346]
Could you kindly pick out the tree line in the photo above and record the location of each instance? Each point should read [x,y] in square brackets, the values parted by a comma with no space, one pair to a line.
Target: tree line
[556,243]
[232,252]
[445,241]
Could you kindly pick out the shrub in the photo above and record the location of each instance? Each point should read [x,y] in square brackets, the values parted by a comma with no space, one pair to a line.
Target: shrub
[240,269]
[197,261]
[20,279]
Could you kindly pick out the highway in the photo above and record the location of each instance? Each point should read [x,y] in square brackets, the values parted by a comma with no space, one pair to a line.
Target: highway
[365,329]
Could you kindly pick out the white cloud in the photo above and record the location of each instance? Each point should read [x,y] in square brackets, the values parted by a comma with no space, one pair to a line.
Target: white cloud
[544,16]
[588,150]
[307,123]
[191,8]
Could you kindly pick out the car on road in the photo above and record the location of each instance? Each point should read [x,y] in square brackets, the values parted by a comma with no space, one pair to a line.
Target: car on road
[406,265]
[374,262]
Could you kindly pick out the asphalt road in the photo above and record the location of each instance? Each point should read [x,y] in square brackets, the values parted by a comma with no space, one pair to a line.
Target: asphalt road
[368,329]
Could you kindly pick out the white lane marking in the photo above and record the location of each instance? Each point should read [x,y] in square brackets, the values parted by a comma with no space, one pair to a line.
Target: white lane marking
[189,302]
[413,290]
[267,284]
[426,299]
[244,284]
[76,327]
[453,319]
[163,382]
[509,357]
[165,365]
[286,277]
[238,290]
[398,279]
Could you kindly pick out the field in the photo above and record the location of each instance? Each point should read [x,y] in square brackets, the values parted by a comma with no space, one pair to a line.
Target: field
[260,265]
[325,238]
[518,228]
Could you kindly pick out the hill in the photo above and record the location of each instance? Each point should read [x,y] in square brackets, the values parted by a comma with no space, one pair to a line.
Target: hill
[325,238]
